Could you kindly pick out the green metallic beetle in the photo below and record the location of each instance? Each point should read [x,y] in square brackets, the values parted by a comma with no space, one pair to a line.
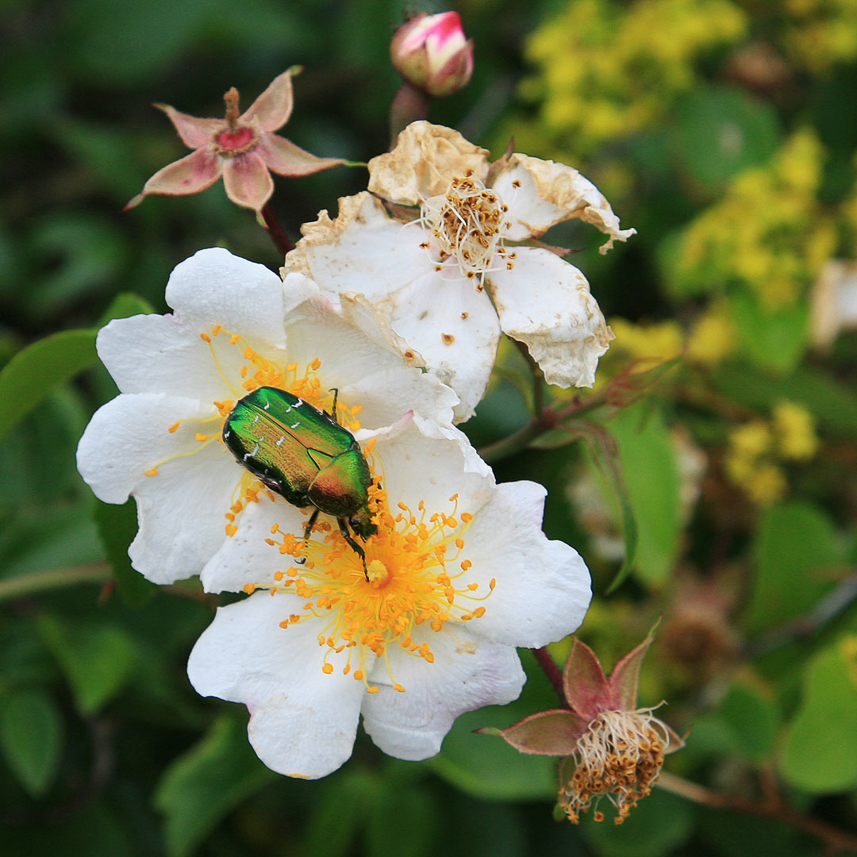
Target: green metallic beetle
[304,455]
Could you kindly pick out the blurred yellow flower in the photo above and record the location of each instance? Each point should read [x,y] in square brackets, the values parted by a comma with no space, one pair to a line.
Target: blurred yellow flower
[656,342]
[768,234]
[794,426]
[607,69]
[712,337]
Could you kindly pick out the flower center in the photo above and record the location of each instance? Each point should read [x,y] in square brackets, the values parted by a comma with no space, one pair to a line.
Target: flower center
[232,143]
[414,576]
[236,139]
[467,223]
[243,370]
[620,756]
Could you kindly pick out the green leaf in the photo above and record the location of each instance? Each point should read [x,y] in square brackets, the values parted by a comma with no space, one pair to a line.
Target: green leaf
[124,305]
[37,369]
[339,816]
[820,748]
[96,659]
[31,737]
[604,453]
[207,782]
[795,555]
[488,767]
[773,339]
[750,719]
[648,462]
[117,526]
[657,826]
[719,131]
[402,822]
[834,405]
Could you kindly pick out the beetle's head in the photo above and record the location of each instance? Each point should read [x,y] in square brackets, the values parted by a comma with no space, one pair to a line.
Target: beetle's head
[361,523]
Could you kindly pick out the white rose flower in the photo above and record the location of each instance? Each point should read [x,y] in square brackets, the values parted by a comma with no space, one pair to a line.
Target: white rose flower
[467,267]
[458,575]
[236,327]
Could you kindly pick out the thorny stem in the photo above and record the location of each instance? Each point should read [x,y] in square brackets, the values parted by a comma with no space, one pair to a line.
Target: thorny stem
[543,422]
[553,672]
[277,233]
[771,807]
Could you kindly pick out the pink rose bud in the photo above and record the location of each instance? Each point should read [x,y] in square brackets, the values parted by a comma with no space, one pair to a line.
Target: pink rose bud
[432,53]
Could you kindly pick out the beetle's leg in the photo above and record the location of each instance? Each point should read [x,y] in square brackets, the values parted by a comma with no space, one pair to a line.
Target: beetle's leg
[335,391]
[307,530]
[343,528]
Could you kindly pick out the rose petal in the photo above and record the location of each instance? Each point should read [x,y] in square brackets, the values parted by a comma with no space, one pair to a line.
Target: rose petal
[548,193]
[273,107]
[286,159]
[246,557]
[303,722]
[586,688]
[542,587]
[191,174]
[364,373]
[440,315]
[545,303]
[214,287]
[194,132]
[548,733]
[467,673]
[423,163]
[247,180]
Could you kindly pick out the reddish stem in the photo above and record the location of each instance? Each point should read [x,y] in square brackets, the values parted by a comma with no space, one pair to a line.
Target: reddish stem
[277,233]
[553,672]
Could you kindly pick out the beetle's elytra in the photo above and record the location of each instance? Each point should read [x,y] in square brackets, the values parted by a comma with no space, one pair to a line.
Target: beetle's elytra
[304,455]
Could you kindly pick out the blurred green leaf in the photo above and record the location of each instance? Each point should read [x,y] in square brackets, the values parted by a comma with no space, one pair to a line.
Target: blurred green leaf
[78,253]
[604,453]
[401,822]
[656,827]
[488,767]
[97,659]
[117,527]
[649,466]
[796,554]
[832,403]
[340,815]
[31,737]
[33,372]
[50,362]
[719,131]
[773,339]
[748,721]
[820,749]
[204,784]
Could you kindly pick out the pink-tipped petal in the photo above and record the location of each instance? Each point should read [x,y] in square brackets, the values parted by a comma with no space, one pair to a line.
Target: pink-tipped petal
[274,106]
[286,159]
[586,688]
[191,174]
[195,132]
[625,678]
[247,180]
[548,733]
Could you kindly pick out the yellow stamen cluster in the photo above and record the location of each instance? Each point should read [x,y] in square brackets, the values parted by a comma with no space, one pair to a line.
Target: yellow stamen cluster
[619,757]
[467,224]
[413,577]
